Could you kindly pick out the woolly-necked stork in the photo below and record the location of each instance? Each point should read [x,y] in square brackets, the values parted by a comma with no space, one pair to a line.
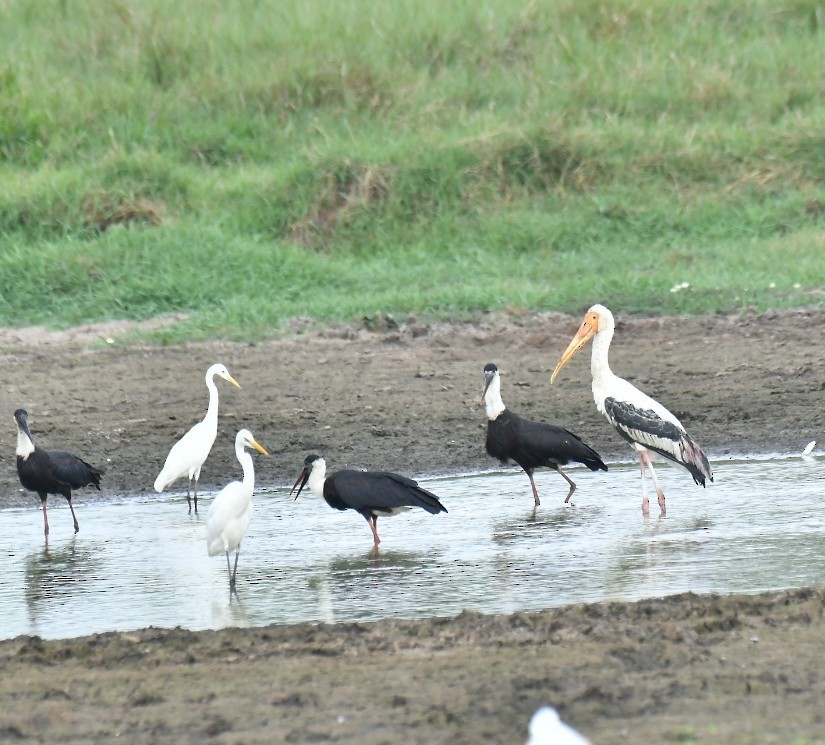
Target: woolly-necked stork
[644,423]
[188,454]
[229,514]
[50,471]
[372,494]
[531,444]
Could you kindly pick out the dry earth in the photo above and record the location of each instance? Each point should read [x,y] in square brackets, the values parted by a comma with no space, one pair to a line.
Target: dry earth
[681,669]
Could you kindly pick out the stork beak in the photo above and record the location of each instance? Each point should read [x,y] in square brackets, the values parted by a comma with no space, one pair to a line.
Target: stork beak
[585,333]
[488,378]
[255,444]
[234,382]
[302,480]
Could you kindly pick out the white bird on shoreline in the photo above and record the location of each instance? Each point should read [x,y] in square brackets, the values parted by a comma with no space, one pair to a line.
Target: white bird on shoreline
[229,514]
[188,454]
[644,423]
[546,728]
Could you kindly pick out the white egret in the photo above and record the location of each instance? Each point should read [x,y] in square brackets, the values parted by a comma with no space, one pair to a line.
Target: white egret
[229,514]
[644,423]
[188,454]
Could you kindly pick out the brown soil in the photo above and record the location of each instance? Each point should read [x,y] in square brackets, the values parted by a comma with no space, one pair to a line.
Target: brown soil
[681,669]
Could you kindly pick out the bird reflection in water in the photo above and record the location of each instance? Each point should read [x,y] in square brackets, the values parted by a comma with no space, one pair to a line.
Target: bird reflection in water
[54,575]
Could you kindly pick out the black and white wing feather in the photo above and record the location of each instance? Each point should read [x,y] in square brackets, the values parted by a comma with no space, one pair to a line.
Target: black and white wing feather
[650,429]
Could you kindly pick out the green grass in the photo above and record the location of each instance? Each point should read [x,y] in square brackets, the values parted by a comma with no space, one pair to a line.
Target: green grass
[249,163]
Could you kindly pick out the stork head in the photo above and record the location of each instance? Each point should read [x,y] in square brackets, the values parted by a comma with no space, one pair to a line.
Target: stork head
[490,373]
[221,371]
[312,463]
[25,444]
[597,319]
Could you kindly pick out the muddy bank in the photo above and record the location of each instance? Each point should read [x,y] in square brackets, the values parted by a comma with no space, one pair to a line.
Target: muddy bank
[681,669]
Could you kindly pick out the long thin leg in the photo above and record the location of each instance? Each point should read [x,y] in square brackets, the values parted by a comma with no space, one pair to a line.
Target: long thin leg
[188,497]
[659,493]
[645,501]
[71,507]
[235,570]
[372,521]
[568,480]
[229,572]
[536,500]
[45,515]
[196,495]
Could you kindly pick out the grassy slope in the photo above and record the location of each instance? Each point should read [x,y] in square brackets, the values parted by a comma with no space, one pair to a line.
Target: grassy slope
[249,162]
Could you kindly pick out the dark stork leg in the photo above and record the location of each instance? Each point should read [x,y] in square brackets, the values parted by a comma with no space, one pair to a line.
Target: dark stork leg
[196,494]
[557,467]
[188,497]
[74,518]
[660,495]
[43,498]
[536,499]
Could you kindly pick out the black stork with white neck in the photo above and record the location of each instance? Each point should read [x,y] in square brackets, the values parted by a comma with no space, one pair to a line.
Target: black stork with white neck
[372,494]
[531,444]
[50,471]
[644,423]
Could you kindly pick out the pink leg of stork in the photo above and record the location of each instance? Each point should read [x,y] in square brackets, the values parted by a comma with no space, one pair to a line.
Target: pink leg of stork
[373,523]
[660,495]
[645,501]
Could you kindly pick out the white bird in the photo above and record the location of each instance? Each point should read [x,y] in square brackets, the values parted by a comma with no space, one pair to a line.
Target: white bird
[230,511]
[546,728]
[809,448]
[188,454]
[644,423]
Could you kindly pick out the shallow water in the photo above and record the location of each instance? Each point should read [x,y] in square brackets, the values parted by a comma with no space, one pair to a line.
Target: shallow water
[142,561]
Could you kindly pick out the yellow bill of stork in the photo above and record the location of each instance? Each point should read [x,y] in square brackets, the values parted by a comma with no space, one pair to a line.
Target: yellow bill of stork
[644,423]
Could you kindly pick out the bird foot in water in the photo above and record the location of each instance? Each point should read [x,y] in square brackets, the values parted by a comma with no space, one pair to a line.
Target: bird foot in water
[645,507]
[661,498]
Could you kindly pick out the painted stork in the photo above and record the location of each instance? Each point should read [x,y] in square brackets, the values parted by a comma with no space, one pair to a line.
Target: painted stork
[644,423]
[188,454]
[372,494]
[531,444]
[229,514]
[50,471]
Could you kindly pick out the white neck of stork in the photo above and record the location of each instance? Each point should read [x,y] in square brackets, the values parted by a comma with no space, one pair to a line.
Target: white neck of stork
[492,397]
[25,446]
[317,476]
[599,365]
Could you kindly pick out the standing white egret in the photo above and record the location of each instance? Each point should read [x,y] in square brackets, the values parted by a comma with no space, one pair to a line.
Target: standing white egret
[188,454]
[230,511]
[644,423]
